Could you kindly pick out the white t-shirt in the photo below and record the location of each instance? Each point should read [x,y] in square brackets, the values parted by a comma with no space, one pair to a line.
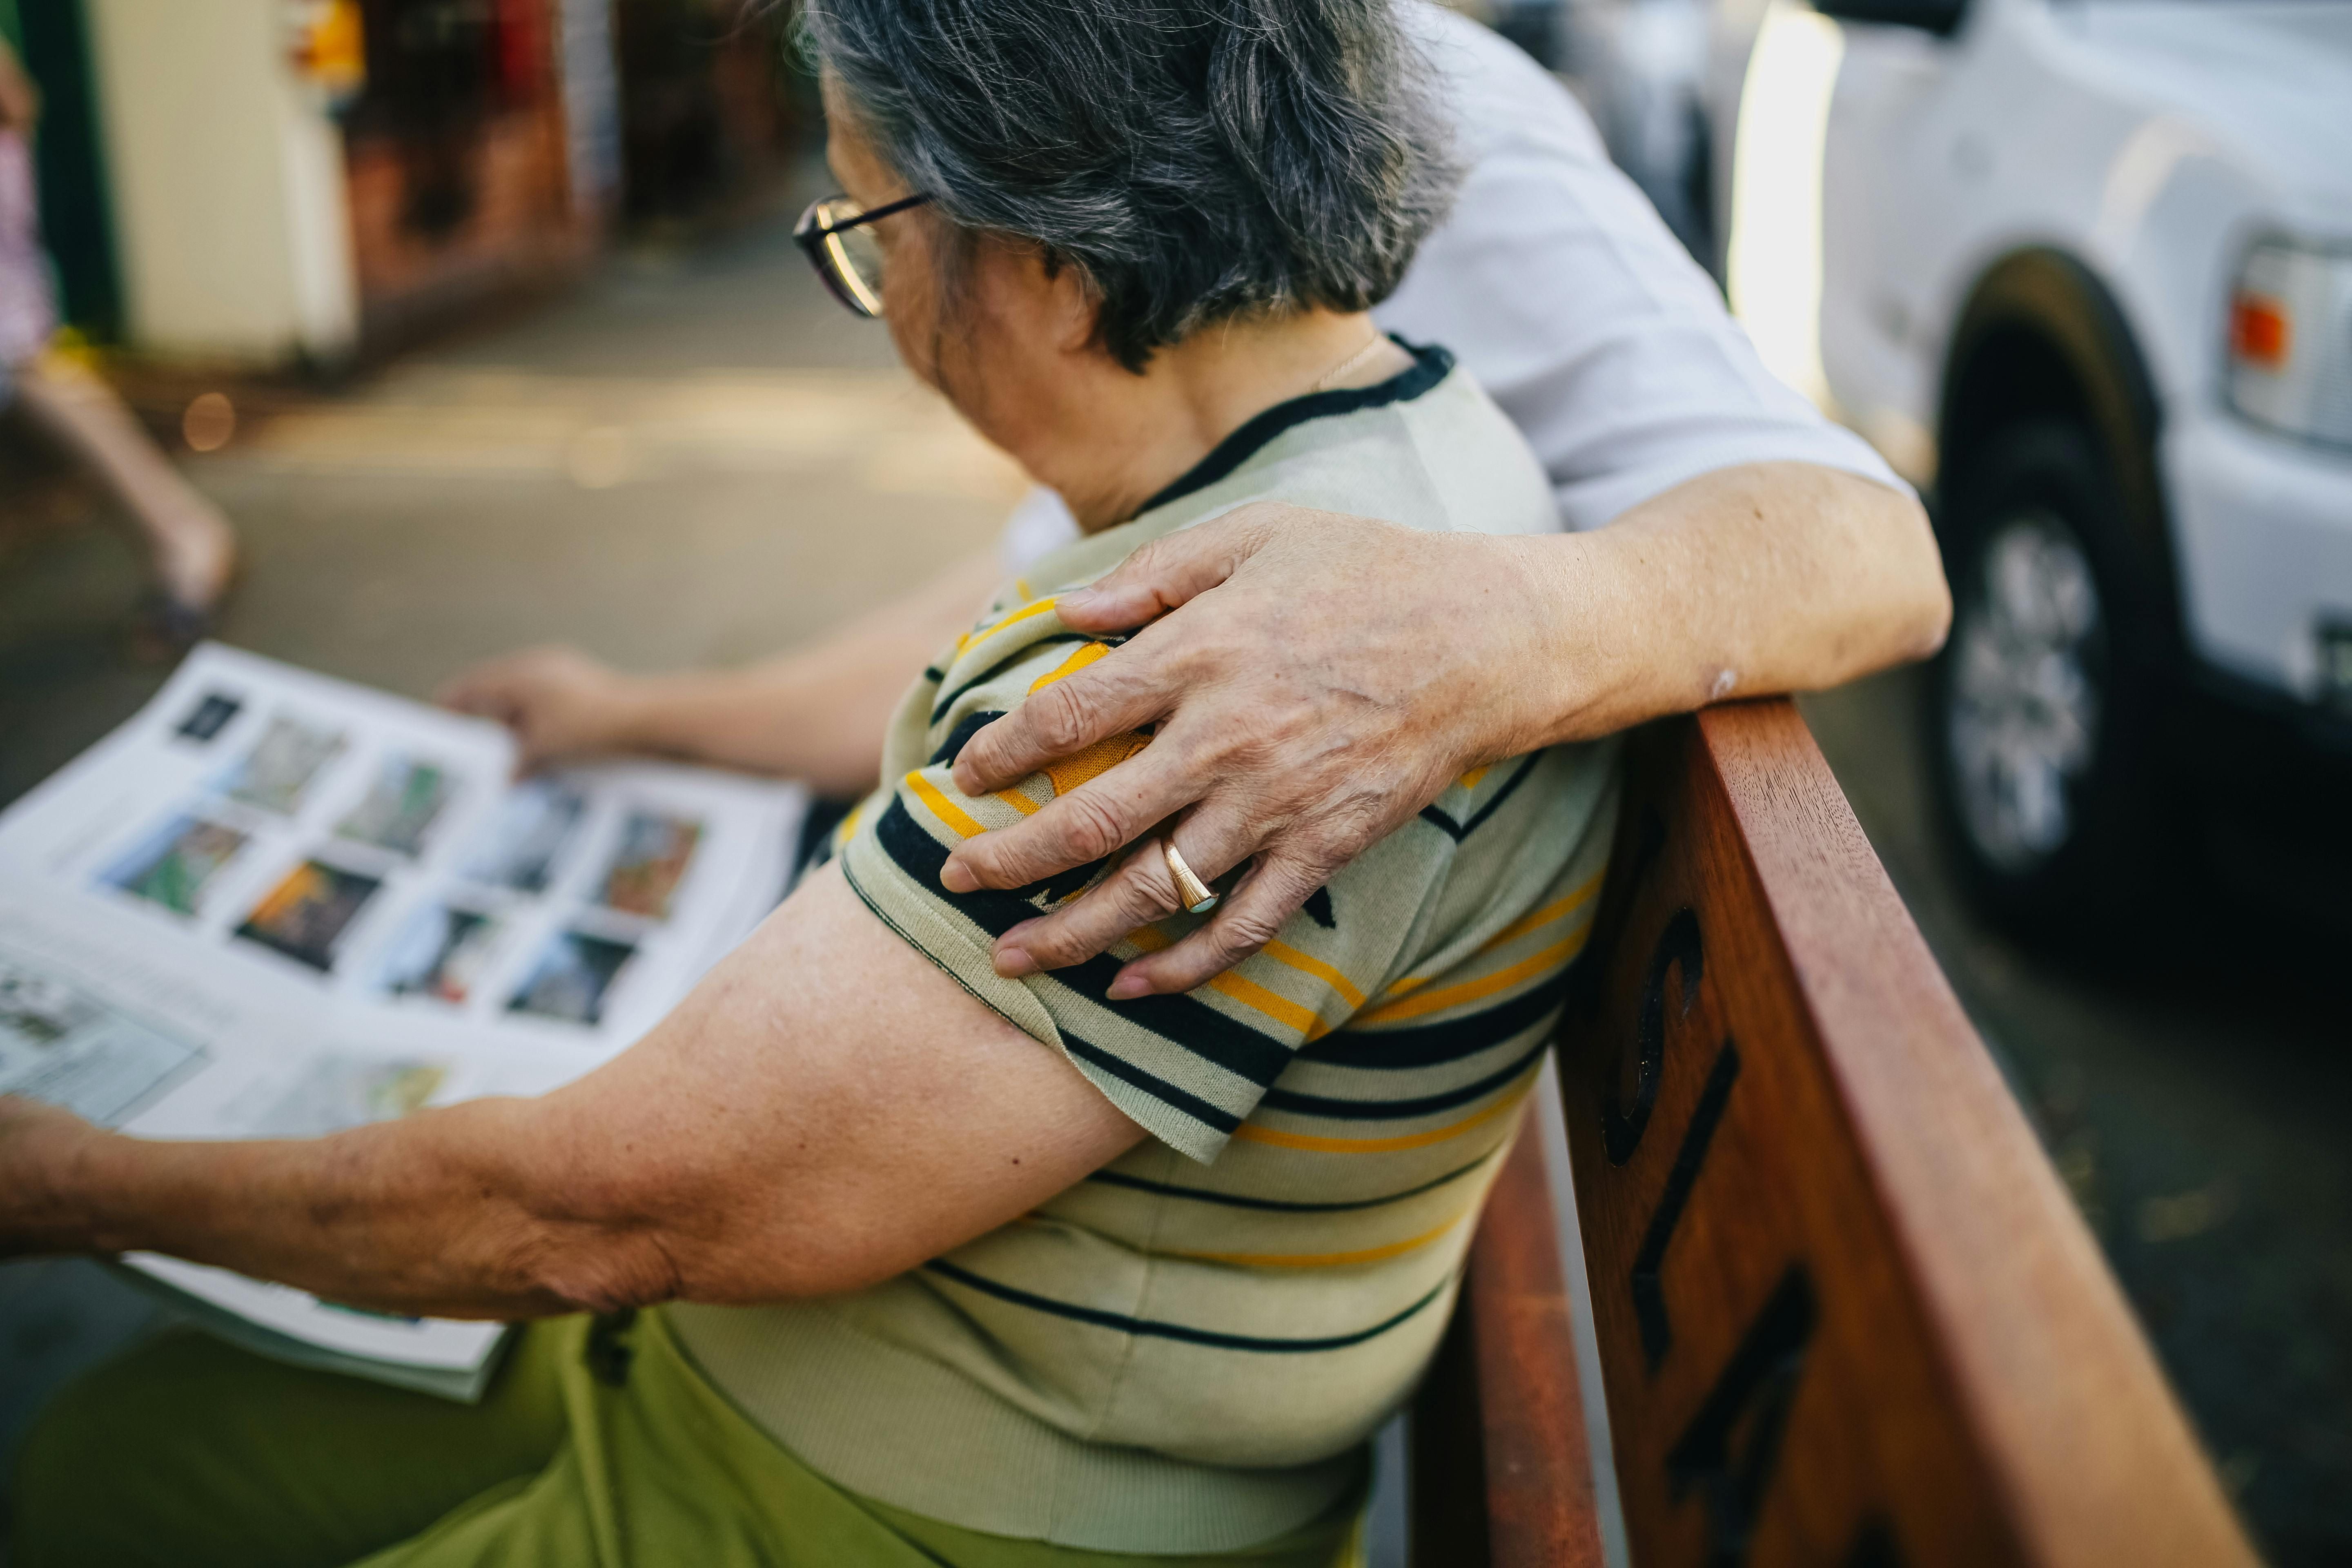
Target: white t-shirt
[1557,285]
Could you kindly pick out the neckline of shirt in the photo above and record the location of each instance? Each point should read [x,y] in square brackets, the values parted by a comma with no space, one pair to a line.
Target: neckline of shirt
[1430,364]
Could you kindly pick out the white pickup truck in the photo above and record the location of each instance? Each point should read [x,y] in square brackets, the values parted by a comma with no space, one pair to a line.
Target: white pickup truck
[2083,268]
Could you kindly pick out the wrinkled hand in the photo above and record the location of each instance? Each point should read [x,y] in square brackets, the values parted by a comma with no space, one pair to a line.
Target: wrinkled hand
[36,1140]
[559,702]
[1325,678]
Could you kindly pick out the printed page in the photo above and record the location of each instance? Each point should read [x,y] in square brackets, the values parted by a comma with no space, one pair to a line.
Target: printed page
[273,904]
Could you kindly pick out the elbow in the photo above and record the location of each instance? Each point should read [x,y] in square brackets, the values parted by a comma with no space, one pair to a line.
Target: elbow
[594,1270]
[1925,619]
[715,1250]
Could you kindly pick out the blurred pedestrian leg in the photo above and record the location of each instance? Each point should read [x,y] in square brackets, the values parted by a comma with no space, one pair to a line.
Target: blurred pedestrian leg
[193,548]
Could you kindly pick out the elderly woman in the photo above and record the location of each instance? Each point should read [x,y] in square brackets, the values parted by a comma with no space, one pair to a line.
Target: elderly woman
[945,1264]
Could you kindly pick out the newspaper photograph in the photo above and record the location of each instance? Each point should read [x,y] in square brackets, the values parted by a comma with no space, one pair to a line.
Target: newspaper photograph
[273,904]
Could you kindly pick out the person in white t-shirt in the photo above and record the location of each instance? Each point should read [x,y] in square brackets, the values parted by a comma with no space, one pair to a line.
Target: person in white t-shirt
[1720,538]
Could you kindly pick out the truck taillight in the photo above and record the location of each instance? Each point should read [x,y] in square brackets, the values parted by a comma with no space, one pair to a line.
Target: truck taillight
[2289,362]
[2260,332]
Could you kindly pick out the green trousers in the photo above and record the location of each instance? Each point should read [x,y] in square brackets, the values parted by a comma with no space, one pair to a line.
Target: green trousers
[598,1446]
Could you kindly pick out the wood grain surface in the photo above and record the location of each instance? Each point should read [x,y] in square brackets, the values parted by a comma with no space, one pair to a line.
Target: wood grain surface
[1502,1472]
[1846,1312]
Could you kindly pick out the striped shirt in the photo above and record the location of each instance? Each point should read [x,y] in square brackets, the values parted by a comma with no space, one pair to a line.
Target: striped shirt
[1185,1351]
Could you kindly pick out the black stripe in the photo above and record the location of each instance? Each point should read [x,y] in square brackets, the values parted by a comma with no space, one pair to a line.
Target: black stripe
[1430,1044]
[940,708]
[1182,1021]
[1698,1136]
[1459,831]
[1428,367]
[960,737]
[1392,1110]
[1159,1088]
[1278,1206]
[1149,1326]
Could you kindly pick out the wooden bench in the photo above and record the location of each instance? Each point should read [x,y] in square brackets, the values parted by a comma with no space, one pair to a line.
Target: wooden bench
[1845,1312]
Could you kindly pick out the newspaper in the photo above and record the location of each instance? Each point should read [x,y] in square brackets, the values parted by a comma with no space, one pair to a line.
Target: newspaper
[274,904]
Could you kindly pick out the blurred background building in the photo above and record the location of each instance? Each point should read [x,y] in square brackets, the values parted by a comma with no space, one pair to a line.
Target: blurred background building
[264,183]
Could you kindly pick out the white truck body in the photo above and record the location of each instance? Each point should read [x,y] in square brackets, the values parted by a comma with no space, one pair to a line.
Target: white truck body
[2156,142]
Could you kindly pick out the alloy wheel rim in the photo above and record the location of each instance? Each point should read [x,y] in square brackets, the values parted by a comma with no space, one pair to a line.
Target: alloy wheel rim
[2026,697]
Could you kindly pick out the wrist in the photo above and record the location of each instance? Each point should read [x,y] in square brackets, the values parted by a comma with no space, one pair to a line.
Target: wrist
[55,1167]
[1560,608]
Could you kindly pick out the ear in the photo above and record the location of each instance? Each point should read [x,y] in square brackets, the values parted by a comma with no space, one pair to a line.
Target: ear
[1073,307]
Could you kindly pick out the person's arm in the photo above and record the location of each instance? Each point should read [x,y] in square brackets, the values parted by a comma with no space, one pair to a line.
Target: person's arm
[816,714]
[20,101]
[1322,678]
[826,1110]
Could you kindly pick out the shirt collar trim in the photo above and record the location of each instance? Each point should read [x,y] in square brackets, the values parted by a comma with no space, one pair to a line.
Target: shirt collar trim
[1430,366]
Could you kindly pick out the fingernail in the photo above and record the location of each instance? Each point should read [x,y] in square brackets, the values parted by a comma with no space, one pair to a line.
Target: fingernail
[956,878]
[1127,986]
[1014,965]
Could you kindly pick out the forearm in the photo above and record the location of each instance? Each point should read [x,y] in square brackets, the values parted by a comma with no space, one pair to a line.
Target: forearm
[816,714]
[434,1214]
[1751,580]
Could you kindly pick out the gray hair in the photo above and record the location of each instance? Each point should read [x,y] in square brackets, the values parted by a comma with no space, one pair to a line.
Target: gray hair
[1195,159]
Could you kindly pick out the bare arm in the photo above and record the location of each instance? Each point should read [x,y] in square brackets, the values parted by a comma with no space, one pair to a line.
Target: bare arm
[1321,679]
[817,713]
[826,1110]
[20,101]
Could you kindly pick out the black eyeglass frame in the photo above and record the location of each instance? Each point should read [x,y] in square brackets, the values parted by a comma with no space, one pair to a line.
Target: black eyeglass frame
[820,242]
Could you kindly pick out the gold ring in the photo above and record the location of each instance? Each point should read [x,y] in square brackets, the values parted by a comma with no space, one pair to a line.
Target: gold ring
[1194,892]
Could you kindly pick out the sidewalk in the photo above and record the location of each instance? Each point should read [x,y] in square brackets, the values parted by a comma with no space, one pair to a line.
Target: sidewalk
[694,459]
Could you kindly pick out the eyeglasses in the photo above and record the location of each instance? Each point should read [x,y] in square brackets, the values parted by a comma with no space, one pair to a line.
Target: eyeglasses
[845,251]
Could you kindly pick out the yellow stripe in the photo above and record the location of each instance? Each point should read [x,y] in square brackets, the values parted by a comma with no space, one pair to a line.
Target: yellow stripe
[1470,780]
[1318,1259]
[1084,654]
[1512,932]
[1015,619]
[1446,996]
[1023,614]
[1249,993]
[1546,915]
[943,808]
[1274,1005]
[1250,1132]
[1019,802]
[1283,952]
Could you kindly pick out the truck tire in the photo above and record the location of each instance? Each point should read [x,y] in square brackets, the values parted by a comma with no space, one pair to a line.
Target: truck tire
[2046,708]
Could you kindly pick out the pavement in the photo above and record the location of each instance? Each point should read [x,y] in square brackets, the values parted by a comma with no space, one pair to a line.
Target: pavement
[695,458]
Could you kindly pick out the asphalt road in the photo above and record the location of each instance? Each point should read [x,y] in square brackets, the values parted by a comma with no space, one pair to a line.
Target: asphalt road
[696,458]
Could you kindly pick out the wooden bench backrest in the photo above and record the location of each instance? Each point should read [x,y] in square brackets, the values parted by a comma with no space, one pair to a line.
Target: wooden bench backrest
[1846,1313]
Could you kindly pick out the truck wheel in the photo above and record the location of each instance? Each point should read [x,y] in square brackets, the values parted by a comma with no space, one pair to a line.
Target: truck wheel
[2044,705]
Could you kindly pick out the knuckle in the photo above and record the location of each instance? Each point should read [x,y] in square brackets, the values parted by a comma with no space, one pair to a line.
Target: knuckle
[1093,827]
[1059,718]
[1246,930]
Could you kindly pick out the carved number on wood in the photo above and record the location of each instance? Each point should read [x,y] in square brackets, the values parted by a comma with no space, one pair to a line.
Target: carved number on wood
[1678,948]
[1749,1403]
[1649,1294]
